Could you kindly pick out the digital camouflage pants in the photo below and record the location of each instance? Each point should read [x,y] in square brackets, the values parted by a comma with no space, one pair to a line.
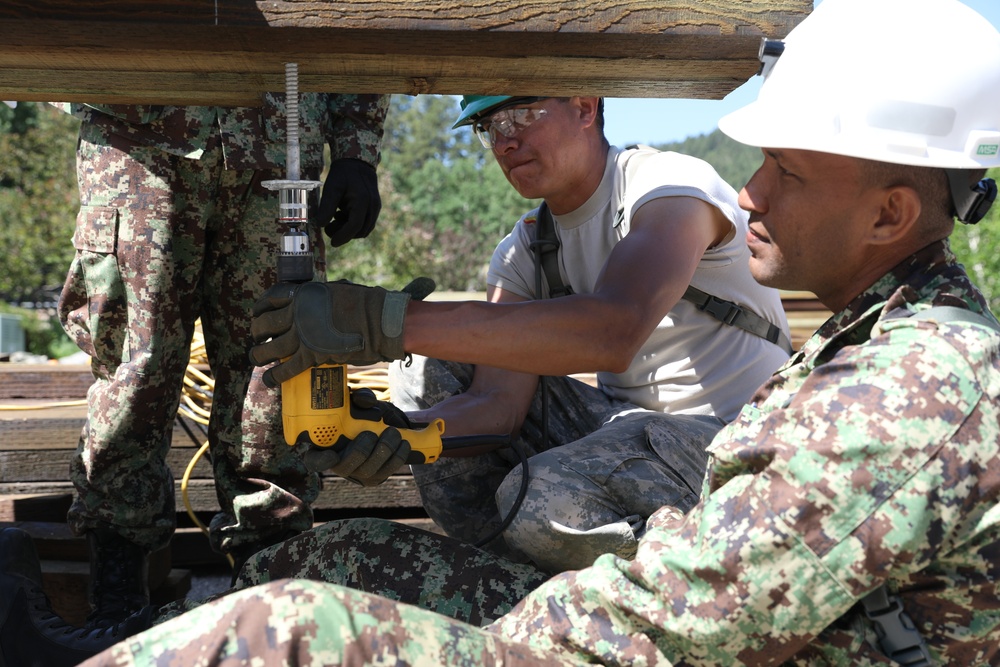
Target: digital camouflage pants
[162,241]
[394,560]
[306,623]
[605,466]
[267,619]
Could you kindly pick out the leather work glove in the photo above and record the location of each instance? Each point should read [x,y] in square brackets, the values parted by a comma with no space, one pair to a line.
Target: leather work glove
[369,458]
[311,324]
[350,203]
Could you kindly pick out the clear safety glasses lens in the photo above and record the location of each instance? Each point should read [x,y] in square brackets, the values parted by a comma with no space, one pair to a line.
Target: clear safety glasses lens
[508,122]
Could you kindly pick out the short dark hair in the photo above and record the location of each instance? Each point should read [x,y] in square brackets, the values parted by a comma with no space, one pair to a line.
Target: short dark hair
[931,183]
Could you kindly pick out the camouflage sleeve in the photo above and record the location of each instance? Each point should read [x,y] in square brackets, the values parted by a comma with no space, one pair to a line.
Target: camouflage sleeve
[810,507]
[356,126]
[130,113]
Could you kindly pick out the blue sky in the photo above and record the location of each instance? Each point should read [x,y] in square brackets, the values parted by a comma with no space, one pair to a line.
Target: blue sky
[654,121]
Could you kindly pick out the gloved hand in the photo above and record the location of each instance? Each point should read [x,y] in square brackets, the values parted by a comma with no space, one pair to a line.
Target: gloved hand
[311,324]
[370,458]
[350,203]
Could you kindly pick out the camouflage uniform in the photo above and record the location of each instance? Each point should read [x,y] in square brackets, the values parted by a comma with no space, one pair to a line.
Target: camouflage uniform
[174,225]
[870,458]
[396,561]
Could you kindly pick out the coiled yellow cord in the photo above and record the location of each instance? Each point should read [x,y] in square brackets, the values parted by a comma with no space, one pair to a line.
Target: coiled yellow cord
[196,404]
[61,404]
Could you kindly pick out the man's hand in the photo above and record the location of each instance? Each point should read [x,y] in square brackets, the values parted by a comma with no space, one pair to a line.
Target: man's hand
[350,203]
[329,323]
[370,458]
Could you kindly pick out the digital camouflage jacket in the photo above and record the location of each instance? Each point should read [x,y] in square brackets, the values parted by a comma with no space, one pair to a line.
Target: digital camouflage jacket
[252,137]
[872,457]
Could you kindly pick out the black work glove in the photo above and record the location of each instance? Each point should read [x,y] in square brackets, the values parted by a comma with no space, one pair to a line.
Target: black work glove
[350,203]
[369,458]
[312,324]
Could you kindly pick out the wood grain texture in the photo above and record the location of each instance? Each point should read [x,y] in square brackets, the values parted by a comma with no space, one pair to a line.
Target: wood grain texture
[231,51]
[399,491]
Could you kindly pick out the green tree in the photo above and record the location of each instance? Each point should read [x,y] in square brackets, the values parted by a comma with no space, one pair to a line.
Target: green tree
[38,204]
[978,249]
[445,203]
[38,200]
[734,161]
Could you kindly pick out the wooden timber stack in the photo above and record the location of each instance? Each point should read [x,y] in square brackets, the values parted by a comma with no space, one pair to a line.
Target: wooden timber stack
[45,410]
[41,426]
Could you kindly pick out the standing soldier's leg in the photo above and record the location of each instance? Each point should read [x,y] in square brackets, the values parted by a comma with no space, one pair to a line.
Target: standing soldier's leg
[130,301]
[263,487]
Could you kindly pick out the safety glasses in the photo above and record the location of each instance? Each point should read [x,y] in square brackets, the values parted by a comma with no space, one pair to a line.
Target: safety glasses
[508,122]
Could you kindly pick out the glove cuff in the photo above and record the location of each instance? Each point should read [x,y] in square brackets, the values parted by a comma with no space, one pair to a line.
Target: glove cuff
[393,317]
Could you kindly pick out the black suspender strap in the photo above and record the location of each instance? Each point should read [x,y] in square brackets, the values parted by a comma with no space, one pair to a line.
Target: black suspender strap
[735,315]
[546,249]
[898,638]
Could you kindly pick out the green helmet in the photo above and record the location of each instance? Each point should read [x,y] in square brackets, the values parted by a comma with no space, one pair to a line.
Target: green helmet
[475,106]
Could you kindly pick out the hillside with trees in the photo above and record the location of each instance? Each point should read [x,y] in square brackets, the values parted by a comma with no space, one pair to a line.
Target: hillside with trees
[445,205]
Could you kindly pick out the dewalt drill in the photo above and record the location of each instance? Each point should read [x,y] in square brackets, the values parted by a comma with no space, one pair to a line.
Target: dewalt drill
[316,405]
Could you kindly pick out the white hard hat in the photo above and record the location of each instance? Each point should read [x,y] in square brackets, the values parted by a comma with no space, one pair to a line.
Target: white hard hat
[912,82]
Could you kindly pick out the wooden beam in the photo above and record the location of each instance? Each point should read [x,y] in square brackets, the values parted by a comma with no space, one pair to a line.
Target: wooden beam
[229,52]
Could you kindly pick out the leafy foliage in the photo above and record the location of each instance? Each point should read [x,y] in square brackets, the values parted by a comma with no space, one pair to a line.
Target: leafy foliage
[445,203]
[734,161]
[977,249]
[38,200]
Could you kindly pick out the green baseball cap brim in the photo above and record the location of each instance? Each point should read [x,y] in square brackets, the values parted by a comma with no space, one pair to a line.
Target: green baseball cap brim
[475,106]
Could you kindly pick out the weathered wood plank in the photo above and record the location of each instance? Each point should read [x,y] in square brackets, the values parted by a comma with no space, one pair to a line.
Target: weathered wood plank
[52,465]
[55,381]
[337,493]
[44,427]
[231,51]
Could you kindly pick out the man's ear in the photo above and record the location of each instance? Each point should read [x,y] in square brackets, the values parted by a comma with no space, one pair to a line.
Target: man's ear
[897,215]
[588,108]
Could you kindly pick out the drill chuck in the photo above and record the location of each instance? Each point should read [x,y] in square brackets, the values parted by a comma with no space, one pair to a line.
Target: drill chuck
[295,256]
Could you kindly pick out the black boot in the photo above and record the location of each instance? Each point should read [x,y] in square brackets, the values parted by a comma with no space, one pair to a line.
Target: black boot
[31,634]
[119,577]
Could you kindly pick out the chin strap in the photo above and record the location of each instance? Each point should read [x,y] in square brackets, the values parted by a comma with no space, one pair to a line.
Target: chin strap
[972,201]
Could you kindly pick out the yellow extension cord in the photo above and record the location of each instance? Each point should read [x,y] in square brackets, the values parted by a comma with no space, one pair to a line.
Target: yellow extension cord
[196,404]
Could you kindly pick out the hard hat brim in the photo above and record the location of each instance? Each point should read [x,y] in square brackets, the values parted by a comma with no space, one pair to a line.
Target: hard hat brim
[811,127]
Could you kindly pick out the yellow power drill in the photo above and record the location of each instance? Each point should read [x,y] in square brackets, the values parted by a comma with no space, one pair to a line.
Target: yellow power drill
[316,407]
